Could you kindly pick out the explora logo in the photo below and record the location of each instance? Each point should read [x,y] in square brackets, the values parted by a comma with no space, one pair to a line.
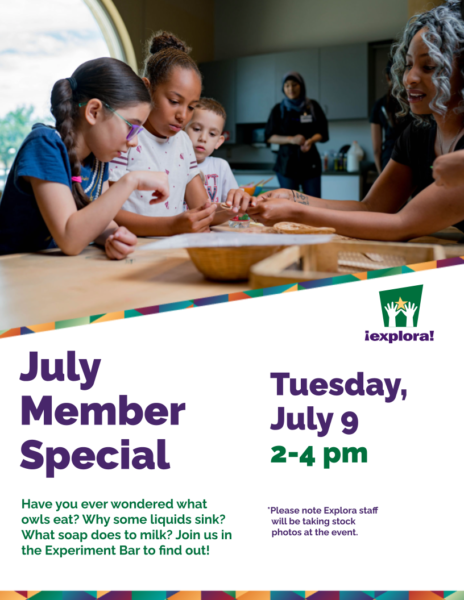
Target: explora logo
[400,308]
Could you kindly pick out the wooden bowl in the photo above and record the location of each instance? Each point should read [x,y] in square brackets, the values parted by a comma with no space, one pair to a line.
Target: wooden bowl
[229,264]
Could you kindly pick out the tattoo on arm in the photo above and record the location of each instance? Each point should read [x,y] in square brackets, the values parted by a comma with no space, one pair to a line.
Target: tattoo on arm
[300,198]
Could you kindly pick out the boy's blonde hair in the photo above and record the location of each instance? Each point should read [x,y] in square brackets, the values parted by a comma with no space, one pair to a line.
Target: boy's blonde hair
[212,105]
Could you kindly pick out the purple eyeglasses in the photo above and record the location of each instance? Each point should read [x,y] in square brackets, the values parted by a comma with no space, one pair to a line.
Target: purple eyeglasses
[134,129]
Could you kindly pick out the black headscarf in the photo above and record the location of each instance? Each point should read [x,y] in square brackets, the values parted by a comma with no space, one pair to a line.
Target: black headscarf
[301,103]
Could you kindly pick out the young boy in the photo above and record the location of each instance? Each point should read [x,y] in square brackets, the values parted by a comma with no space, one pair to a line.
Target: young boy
[205,131]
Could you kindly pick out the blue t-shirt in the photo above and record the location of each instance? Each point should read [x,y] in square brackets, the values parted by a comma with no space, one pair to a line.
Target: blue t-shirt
[42,155]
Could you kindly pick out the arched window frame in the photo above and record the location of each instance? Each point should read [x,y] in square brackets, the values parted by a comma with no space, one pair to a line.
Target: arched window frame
[114,30]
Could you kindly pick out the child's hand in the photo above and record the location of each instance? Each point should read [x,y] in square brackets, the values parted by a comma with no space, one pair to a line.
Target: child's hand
[196,220]
[448,170]
[239,201]
[157,181]
[271,210]
[120,243]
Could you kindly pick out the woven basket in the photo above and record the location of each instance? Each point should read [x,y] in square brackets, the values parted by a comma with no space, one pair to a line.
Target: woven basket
[229,264]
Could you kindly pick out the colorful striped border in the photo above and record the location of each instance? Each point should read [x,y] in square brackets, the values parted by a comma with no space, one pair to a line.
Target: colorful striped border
[211,595]
[271,291]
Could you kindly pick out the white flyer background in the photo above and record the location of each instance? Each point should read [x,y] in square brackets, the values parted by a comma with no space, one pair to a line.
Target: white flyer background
[218,360]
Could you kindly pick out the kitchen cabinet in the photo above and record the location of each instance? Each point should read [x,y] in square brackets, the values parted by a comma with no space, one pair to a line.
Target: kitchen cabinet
[341,187]
[249,87]
[255,88]
[305,62]
[220,83]
[344,81]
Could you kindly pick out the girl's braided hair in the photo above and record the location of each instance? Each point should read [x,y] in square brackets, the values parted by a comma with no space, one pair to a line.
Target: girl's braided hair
[108,79]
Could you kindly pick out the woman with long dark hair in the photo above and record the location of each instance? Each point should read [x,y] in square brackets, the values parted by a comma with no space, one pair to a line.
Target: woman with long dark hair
[56,194]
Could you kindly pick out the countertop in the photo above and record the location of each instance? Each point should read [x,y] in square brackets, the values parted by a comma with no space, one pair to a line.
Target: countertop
[255,167]
[354,173]
[266,170]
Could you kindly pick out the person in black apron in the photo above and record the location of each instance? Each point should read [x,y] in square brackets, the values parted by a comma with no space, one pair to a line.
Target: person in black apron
[404,202]
[296,124]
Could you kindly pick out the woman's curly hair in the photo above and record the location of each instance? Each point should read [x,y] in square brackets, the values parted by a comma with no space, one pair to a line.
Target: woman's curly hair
[445,40]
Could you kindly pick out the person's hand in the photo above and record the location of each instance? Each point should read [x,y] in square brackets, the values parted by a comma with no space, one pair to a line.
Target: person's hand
[392,312]
[272,209]
[239,201]
[448,170]
[279,193]
[120,243]
[297,140]
[156,181]
[306,146]
[196,220]
[409,310]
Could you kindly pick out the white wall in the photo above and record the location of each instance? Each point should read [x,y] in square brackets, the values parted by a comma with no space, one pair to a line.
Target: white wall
[244,27]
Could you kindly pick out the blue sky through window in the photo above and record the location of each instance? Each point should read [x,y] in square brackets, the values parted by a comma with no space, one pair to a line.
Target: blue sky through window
[42,41]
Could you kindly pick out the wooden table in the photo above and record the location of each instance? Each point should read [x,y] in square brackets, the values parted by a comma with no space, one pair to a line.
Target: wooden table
[47,287]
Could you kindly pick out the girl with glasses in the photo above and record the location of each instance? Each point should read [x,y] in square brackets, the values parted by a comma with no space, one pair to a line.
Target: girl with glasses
[174,82]
[57,193]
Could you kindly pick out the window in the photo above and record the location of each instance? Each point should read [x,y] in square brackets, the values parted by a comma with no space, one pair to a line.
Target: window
[41,42]
[114,30]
